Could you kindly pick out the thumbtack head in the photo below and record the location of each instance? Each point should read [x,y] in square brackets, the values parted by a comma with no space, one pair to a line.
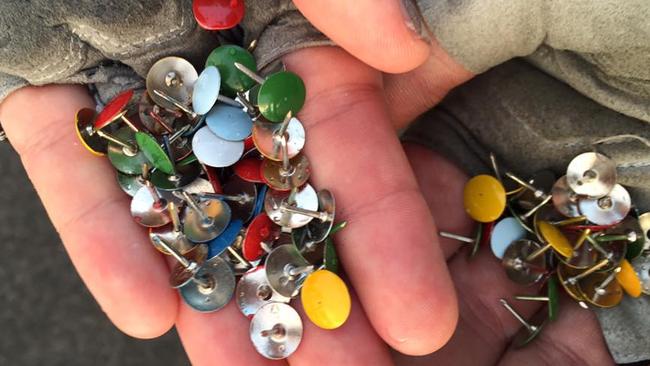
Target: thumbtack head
[276,331]
[182,275]
[218,14]
[607,210]
[151,148]
[232,80]
[174,77]
[284,257]
[113,110]
[591,174]
[484,198]
[207,220]
[265,137]
[125,161]
[86,133]
[214,289]
[229,123]
[518,268]
[253,292]
[149,210]
[281,93]
[326,299]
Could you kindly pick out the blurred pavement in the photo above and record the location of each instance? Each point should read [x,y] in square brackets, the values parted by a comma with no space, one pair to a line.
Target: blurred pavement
[47,317]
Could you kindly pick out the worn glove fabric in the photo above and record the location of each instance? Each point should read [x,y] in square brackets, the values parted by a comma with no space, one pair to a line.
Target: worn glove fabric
[112,44]
[600,48]
[528,118]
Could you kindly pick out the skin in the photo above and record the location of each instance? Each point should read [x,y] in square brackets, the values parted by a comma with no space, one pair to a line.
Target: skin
[411,293]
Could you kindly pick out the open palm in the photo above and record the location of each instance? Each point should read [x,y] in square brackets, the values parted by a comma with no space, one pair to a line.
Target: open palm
[389,248]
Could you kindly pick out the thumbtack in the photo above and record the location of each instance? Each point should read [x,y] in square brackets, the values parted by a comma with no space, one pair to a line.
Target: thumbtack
[276,330]
[460,238]
[116,110]
[322,216]
[554,239]
[631,236]
[552,298]
[518,268]
[185,269]
[204,220]
[212,288]
[537,192]
[570,221]
[600,289]
[528,332]
[172,235]
[149,208]
[573,280]
[128,148]
[285,268]
[280,93]
[294,209]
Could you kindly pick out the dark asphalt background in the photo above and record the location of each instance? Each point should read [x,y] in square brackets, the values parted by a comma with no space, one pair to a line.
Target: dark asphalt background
[47,317]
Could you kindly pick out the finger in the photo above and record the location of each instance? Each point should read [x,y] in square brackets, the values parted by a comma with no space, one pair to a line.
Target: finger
[441,183]
[219,338]
[378,32]
[355,343]
[388,248]
[410,94]
[110,252]
[574,339]
[484,327]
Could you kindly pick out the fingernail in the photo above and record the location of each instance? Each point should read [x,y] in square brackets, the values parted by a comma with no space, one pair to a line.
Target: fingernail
[413,19]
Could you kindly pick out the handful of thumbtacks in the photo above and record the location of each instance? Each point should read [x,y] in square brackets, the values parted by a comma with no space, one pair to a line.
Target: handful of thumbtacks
[579,231]
[214,166]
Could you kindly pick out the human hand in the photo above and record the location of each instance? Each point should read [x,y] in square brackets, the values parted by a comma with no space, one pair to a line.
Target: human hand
[485,328]
[388,250]
[418,74]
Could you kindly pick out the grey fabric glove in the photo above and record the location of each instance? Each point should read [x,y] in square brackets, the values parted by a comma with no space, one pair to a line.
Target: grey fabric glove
[113,44]
[600,48]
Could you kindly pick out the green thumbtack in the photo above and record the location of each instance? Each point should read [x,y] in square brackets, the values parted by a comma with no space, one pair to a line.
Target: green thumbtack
[224,59]
[154,152]
[331,258]
[279,94]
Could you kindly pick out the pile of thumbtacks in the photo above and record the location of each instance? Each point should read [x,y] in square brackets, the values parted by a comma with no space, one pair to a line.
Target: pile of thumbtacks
[214,166]
[579,232]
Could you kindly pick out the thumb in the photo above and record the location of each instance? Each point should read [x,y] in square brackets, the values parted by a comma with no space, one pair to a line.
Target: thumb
[385,34]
